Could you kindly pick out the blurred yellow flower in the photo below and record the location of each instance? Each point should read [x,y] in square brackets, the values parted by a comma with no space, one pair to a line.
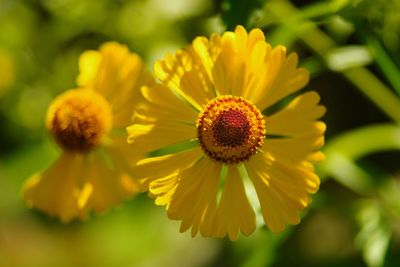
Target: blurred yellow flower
[7,70]
[94,170]
[203,135]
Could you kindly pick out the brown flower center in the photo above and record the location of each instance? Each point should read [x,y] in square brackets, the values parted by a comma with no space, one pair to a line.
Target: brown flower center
[78,119]
[230,129]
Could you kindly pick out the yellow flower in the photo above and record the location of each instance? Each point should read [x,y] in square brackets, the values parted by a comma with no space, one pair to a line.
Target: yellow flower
[208,144]
[94,171]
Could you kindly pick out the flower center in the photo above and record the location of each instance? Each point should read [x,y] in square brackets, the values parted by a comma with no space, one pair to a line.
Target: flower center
[78,119]
[230,129]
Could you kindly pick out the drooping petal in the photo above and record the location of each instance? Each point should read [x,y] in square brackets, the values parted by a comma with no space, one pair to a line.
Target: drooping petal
[150,169]
[56,191]
[123,157]
[149,137]
[195,198]
[282,189]
[162,122]
[109,184]
[234,212]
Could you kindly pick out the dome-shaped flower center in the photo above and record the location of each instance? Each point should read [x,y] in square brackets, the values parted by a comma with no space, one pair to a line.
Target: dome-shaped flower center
[78,119]
[230,129]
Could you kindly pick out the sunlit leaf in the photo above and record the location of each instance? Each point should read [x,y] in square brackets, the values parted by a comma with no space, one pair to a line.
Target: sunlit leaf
[346,57]
[374,235]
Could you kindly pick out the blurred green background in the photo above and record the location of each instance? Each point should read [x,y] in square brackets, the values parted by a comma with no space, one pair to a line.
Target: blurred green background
[351,47]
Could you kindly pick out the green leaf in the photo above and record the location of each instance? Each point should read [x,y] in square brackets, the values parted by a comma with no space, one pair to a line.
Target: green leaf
[374,235]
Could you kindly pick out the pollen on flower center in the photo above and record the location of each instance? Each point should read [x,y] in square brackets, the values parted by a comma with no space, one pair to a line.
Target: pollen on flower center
[230,129]
[78,119]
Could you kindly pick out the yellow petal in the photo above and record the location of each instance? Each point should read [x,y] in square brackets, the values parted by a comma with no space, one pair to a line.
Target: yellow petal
[124,157]
[89,62]
[234,212]
[282,189]
[194,200]
[246,42]
[257,70]
[298,118]
[109,185]
[149,137]
[56,191]
[138,130]
[163,189]
[229,69]
[255,36]
[150,169]
[283,79]
[167,104]
[126,93]
[204,53]
[118,75]
[296,149]
[233,72]
[174,68]
[84,195]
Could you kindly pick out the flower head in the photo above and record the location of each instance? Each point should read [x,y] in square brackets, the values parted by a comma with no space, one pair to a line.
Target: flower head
[207,141]
[93,172]
[79,119]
